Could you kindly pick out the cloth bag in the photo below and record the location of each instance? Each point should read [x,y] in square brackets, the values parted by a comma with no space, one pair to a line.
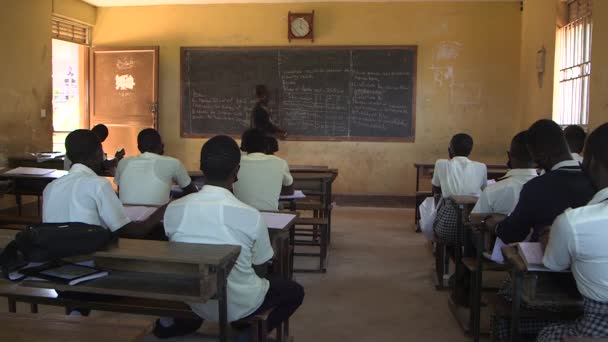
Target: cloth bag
[428,212]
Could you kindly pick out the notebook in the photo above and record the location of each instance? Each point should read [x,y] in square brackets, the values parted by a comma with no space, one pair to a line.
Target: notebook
[296,195]
[65,273]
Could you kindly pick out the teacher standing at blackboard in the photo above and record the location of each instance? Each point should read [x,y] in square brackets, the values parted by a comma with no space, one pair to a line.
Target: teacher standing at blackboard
[260,115]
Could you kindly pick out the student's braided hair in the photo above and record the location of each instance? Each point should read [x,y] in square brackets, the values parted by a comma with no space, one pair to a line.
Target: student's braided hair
[220,156]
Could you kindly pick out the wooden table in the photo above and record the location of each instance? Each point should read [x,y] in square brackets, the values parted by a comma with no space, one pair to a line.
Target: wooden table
[557,295]
[59,328]
[24,185]
[479,232]
[280,239]
[31,161]
[171,271]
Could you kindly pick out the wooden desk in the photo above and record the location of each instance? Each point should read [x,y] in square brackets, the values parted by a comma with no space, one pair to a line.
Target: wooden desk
[168,271]
[60,328]
[280,238]
[557,295]
[30,185]
[479,233]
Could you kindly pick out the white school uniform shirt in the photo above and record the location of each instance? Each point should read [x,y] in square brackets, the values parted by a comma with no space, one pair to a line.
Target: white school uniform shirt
[146,179]
[577,157]
[578,240]
[460,176]
[260,180]
[83,196]
[502,197]
[215,216]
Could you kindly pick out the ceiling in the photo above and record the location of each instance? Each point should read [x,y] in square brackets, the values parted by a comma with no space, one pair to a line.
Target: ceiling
[111,3]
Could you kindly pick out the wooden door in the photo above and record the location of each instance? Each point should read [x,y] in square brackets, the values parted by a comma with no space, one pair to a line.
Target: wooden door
[124,94]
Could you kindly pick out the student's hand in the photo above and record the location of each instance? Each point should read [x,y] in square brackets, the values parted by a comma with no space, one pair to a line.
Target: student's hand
[120,154]
[492,221]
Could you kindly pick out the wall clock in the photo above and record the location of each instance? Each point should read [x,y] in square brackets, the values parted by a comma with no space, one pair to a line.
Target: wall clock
[300,26]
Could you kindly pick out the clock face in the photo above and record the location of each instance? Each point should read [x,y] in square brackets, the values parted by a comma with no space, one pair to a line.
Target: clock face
[300,27]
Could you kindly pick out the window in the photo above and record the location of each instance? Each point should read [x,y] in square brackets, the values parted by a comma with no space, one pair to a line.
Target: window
[70,68]
[573,61]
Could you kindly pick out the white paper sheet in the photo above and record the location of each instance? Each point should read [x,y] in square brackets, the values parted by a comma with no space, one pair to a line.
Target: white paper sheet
[30,171]
[296,195]
[139,213]
[532,253]
[277,220]
[497,252]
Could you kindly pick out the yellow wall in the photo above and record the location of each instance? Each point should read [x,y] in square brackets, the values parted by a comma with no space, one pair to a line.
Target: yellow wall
[538,29]
[75,10]
[598,113]
[468,74]
[25,85]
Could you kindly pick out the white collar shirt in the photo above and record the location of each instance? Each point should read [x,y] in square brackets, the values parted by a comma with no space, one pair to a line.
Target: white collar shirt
[566,164]
[215,216]
[260,180]
[502,197]
[83,196]
[578,240]
[146,179]
[460,176]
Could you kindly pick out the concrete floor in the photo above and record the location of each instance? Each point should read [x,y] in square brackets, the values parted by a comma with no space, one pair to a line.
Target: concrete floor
[378,286]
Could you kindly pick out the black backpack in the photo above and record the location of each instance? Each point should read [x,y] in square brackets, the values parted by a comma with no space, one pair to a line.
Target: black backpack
[52,241]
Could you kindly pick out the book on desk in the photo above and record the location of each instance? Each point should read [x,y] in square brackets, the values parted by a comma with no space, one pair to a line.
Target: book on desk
[64,272]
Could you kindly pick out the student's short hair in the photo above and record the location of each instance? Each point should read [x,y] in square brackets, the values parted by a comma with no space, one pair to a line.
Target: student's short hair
[272,145]
[462,144]
[81,145]
[546,136]
[253,140]
[220,156]
[519,147]
[261,90]
[597,145]
[101,131]
[575,137]
[148,139]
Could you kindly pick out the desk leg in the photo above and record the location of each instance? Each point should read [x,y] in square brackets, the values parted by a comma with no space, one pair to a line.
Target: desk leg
[517,280]
[222,302]
[19,203]
[477,287]
[458,290]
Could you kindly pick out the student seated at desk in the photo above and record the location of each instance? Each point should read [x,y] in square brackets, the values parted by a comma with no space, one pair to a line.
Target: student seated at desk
[83,196]
[542,199]
[215,216]
[575,136]
[502,197]
[564,185]
[101,131]
[578,241]
[455,176]
[146,179]
[262,178]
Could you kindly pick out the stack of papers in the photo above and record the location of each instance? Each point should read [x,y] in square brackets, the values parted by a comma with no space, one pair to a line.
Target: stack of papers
[296,195]
[29,171]
[277,220]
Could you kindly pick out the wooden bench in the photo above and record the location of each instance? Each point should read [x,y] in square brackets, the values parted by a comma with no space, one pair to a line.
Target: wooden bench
[131,305]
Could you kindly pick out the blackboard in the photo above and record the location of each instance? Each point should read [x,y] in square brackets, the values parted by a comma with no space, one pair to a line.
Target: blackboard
[328,93]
